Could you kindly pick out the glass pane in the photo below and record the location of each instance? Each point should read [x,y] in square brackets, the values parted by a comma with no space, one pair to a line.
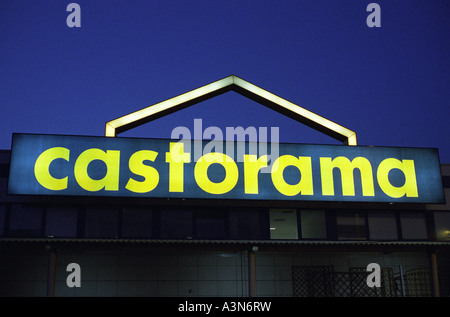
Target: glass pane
[61,222]
[244,224]
[283,224]
[101,223]
[210,224]
[351,226]
[382,226]
[25,221]
[413,226]
[313,224]
[442,223]
[176,224]
[136,223]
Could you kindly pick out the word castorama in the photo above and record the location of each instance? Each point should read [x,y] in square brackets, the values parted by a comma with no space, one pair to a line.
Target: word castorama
[100,166]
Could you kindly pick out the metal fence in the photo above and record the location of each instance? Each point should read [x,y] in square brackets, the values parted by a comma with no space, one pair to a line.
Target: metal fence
[323,281]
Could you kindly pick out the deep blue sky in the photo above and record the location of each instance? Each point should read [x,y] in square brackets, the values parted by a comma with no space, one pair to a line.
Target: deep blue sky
[391,84]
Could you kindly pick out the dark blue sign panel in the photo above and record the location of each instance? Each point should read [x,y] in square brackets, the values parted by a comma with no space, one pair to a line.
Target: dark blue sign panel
[134,167]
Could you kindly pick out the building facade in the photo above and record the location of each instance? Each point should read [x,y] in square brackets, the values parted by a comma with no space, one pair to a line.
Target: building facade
[178,246]
[213,248]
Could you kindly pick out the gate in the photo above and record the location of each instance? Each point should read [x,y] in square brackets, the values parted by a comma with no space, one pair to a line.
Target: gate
[311,281]
[417,283]
[322,281]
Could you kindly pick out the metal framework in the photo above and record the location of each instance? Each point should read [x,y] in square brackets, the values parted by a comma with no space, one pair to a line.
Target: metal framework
[323,281]
[244,88]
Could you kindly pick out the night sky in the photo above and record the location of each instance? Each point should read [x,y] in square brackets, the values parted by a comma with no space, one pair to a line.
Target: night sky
[390,84]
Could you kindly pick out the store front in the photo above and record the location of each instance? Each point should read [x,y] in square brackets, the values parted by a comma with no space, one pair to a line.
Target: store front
[155,217]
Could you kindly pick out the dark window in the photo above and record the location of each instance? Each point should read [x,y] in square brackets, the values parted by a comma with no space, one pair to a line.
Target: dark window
[413,225]
[382,225]
[442,224]
[351,226]
[25,221]
[101,223]
[210,224]
[244,224]
[136,223]
[176,224]
[61,222]
[313,224]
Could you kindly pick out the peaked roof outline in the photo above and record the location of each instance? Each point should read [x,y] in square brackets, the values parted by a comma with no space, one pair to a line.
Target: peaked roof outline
[242,87]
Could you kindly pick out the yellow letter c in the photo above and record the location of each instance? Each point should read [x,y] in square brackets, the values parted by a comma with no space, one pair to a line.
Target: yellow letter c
[42,165]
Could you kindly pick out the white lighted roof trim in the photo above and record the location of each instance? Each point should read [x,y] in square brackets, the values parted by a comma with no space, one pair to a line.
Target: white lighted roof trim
[242,87]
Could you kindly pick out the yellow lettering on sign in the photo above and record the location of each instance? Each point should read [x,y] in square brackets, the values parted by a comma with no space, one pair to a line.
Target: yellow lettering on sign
[346,168]
[303,164]
[201,173]
[150,174]
[110,181]
[409,188]
[251,170]
[176,159]
[42,165]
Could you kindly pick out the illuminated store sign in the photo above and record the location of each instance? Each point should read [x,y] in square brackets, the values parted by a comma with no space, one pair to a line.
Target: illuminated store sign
[134,167]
